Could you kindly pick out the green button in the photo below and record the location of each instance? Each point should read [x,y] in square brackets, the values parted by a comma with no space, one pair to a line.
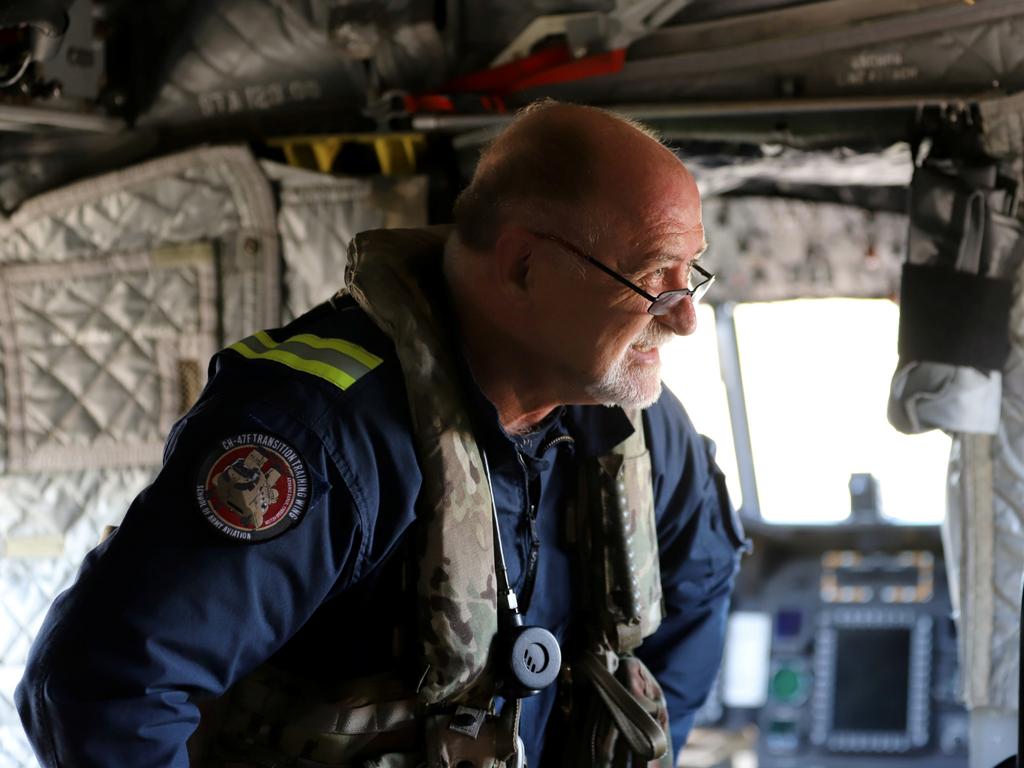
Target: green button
[785,684]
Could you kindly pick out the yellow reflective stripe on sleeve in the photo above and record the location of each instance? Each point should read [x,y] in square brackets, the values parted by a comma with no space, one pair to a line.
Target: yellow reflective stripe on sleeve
[335,360]
[264,338]
[337,378]
[368,359]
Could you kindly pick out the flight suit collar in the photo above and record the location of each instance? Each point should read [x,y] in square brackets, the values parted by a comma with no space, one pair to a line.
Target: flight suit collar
[597,428]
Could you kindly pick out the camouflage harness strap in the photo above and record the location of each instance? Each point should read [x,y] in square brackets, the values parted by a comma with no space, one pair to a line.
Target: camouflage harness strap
[457,615]
[617,544]
[458,612]
[620,715]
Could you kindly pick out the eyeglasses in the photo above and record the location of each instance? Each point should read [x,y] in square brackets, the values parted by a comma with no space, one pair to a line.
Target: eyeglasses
[662,303]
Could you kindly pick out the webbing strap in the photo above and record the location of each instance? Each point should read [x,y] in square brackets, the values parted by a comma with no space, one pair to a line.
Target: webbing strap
[645,736]
[339,362]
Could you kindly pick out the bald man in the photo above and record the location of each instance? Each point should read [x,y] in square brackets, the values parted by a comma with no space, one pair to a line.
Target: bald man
[469,439]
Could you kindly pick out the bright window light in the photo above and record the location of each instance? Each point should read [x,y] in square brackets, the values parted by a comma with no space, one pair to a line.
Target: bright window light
[690,369]
[816,376]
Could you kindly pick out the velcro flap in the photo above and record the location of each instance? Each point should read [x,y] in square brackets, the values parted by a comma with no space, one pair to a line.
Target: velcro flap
[954,317]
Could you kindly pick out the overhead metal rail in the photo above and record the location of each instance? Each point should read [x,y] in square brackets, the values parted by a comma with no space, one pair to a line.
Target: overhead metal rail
[459,123]
[15,117]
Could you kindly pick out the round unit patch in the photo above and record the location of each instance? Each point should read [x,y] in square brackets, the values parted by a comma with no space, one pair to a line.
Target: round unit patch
[253,488]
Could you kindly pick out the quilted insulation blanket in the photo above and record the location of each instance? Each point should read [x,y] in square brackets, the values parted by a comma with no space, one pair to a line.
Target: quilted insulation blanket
[114,293]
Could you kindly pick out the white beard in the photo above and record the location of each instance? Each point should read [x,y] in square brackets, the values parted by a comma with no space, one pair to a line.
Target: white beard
[624,384]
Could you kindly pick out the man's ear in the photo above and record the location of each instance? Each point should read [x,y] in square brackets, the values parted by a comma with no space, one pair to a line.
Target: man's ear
[513,254]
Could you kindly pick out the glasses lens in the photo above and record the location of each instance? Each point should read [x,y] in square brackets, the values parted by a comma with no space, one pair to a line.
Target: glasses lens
[667,301]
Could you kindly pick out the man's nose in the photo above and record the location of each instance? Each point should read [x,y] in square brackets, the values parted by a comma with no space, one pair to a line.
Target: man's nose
[682,318]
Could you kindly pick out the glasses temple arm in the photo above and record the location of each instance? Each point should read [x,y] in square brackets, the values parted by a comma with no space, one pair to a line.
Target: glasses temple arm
[612,273]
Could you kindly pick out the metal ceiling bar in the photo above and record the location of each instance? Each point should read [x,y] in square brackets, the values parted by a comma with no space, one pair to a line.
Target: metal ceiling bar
[458,123]
[30,117]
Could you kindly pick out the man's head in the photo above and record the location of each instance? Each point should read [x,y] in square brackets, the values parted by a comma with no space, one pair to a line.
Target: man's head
[561,185]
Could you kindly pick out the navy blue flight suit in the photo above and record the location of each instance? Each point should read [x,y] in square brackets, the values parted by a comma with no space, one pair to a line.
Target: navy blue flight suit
[170,610]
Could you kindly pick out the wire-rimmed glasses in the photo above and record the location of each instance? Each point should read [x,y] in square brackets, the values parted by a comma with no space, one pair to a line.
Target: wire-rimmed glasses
[661,304]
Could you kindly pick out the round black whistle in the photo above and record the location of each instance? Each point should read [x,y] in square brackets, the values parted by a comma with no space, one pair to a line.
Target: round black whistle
[534,660]
[532,656]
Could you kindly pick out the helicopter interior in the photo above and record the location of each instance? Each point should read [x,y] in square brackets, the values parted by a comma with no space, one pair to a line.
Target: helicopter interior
[175,174]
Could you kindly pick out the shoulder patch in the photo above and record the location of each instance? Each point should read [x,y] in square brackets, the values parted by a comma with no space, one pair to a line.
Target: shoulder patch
[252,487]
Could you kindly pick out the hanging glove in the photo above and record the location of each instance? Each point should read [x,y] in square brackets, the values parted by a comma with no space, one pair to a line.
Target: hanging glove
[964,247]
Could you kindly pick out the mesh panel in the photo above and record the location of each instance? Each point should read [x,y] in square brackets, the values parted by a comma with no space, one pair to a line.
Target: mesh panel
[190,381]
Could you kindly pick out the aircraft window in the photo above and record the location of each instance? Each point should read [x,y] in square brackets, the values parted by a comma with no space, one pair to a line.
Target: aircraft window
[816,376]
[690,368]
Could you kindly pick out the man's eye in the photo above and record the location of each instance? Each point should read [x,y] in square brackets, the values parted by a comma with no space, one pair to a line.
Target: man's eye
[658,273]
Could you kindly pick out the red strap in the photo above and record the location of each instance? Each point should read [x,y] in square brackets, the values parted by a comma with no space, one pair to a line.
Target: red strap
[553,64]
[592,66]
[465,103]
[504,78]
[431,102]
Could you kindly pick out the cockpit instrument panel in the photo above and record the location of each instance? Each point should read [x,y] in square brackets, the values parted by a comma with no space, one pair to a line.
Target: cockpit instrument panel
[855,663]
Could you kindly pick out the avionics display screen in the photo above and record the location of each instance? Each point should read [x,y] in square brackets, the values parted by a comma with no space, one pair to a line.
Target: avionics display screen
[872,680]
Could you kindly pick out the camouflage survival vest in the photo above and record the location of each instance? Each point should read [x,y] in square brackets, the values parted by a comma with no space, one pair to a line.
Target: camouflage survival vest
[618,713]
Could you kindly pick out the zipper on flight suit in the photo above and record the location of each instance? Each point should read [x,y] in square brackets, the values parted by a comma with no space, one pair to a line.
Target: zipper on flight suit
[533,554]
[533,540]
